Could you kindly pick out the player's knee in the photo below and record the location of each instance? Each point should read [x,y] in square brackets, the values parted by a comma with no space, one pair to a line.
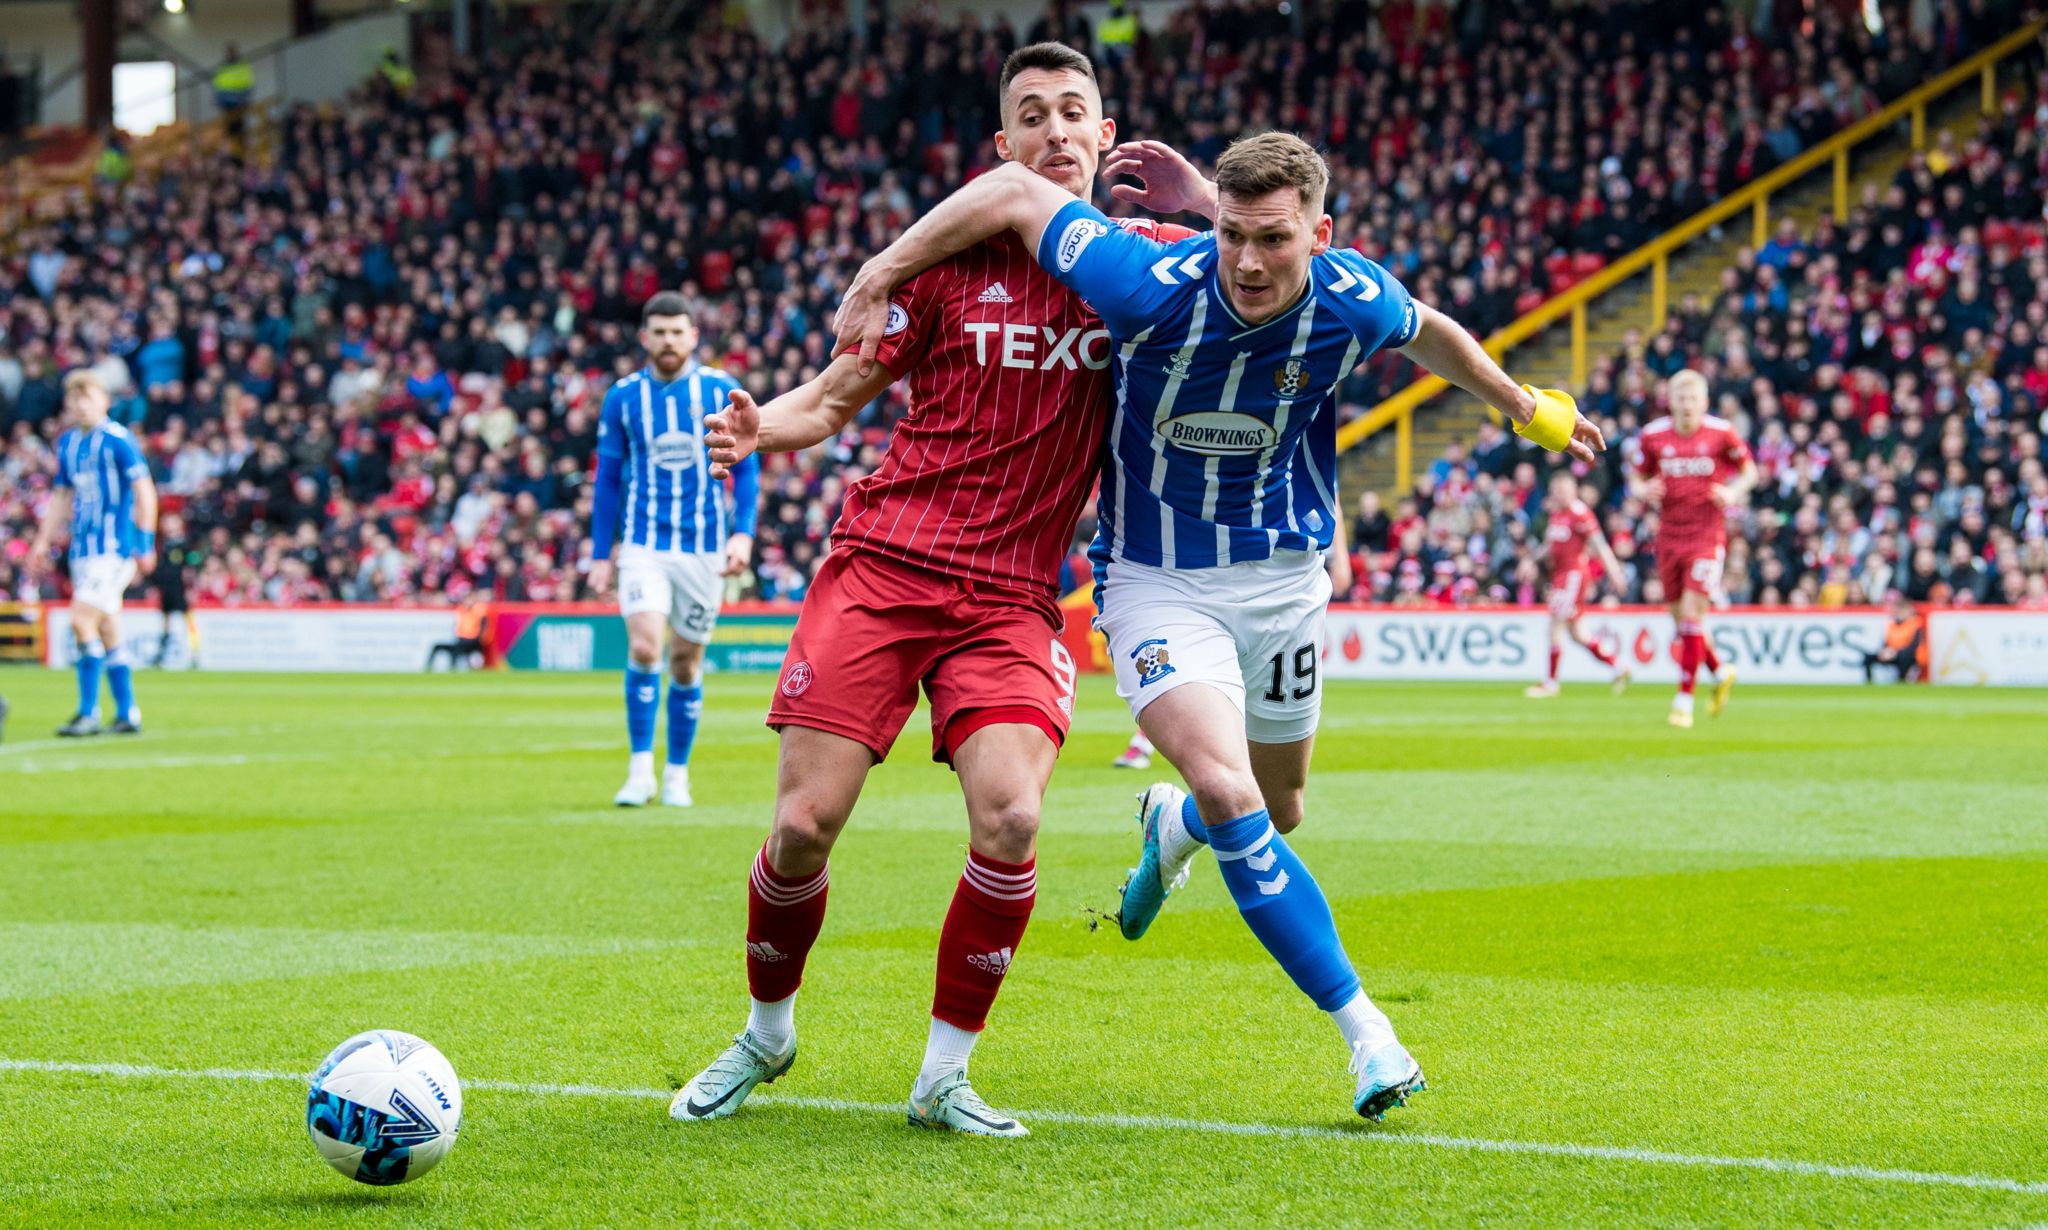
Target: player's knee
[685,662]
[1286,809]
[1223,792]
[1007,828]
[645,651]
[802,838]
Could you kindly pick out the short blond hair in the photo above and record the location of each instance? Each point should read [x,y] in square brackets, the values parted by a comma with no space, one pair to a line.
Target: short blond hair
[1688,378]
[84,378]
[1255,166]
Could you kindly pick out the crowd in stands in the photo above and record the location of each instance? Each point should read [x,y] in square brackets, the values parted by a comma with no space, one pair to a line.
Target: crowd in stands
[1889,370]
[365,359]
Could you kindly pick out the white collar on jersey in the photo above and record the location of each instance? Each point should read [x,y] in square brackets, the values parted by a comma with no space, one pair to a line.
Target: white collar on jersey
[1308,292]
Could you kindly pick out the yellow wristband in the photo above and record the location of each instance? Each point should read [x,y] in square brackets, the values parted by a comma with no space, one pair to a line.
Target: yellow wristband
[1551,425]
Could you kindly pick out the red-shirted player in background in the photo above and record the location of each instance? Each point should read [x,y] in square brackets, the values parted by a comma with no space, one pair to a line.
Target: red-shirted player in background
[943,572]
[1571,540]
[1694,467]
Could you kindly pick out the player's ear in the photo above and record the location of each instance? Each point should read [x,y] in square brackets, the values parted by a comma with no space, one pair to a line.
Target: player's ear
[1003,146]
[1323,229]
[1106,140]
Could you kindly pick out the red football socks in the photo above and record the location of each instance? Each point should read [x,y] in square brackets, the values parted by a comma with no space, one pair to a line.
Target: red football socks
[1691,648]
[784,916]
[991,908]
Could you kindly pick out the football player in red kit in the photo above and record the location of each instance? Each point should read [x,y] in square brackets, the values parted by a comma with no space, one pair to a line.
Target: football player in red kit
[1694,468]
[943,573]
[1574,542]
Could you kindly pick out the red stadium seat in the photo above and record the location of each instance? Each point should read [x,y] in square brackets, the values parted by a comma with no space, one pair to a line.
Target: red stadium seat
[1586,264]
[715,271]
[817,221]
[773,232]
[1528,301]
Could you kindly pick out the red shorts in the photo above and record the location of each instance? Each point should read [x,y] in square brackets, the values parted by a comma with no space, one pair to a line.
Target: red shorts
[1568,593]
[1693,569]
[873,628]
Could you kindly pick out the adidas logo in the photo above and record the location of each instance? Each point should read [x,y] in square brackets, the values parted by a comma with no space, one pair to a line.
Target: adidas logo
[762,950]
[995,294]
[997,963]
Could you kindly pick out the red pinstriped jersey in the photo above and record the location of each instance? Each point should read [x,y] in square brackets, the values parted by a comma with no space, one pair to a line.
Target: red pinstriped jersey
[1569,534]
[1690,467]
[1010,384]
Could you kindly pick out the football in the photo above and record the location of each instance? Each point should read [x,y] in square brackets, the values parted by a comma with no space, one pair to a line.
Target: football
[384,1107]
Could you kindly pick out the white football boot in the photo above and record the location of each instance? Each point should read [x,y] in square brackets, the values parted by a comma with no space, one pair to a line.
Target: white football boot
[719,1089]
[637,792]
[675,785]
[953,1106]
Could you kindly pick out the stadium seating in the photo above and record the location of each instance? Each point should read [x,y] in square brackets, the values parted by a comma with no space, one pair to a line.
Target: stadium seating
[1890,373]
[369,371]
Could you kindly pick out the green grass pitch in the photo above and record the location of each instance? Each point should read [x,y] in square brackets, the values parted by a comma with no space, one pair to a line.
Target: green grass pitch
[1785,969]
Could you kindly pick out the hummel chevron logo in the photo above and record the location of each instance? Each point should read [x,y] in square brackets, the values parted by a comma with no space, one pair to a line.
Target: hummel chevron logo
[1368,290]
[1263,862]
[762,950]
[996,293]
[407,1125]
[1165,268]
[1272,887]
[997,963]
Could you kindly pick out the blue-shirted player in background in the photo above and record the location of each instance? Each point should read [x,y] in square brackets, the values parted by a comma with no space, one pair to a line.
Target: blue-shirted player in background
[1218,500]
[677,537]
[107,503]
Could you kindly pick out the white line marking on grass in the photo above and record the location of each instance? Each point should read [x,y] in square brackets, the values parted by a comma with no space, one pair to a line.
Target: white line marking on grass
[1214,1127]
[86,761]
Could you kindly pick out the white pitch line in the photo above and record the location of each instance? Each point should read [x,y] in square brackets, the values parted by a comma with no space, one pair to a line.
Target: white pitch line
[1214,1127]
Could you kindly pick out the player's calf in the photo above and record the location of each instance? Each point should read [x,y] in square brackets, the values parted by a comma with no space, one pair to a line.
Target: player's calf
[1286,909]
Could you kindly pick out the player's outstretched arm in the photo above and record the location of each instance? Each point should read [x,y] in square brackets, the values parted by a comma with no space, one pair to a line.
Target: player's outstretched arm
[808,414]
[1007,198]
[1546,416]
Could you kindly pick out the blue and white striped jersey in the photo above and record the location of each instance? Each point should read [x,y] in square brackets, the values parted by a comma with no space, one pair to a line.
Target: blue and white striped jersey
[1223,447]
[655,433]
[100,468]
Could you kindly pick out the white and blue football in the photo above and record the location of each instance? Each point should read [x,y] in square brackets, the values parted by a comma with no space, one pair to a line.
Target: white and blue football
[384,1107]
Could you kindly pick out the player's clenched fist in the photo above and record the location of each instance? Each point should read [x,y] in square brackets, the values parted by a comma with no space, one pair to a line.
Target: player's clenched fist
[732,435]
[864,315]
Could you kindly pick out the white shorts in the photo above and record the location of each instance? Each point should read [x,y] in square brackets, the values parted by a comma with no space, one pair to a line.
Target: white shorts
[1253,631]
[686,586]
[100,580]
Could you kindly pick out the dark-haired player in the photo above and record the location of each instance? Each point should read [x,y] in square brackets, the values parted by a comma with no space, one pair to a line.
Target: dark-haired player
[679,536]
[943,575]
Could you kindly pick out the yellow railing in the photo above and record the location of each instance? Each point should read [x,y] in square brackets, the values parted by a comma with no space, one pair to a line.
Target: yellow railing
[21,633]
[1399,410]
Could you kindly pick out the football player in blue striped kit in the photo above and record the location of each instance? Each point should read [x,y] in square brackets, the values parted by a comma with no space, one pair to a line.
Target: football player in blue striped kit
[678,537]
[1218,500]
[105,498]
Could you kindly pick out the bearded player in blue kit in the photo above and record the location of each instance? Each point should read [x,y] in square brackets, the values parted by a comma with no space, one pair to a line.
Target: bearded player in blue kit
[1218,501]
[680,537]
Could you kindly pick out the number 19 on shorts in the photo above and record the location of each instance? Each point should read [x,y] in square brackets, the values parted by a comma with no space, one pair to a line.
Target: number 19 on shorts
[1293,674]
